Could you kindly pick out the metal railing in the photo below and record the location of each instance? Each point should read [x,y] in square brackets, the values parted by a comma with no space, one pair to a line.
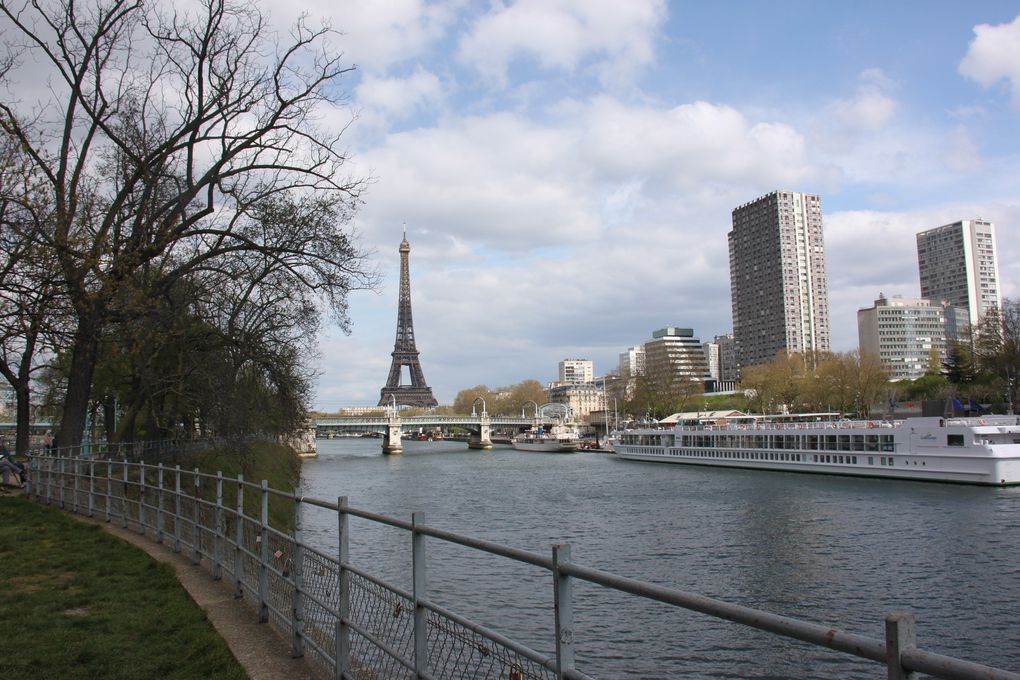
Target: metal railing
[353,625]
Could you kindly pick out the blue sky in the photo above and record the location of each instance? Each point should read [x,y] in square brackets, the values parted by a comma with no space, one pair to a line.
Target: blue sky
[567,169]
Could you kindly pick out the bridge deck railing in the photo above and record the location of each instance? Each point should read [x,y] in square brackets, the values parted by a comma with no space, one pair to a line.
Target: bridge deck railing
[354,625]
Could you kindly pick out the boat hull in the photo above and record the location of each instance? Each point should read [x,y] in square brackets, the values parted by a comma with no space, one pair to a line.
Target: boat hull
[546,447]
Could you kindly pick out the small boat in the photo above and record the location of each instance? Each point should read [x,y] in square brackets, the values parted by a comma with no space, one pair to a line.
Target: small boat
[557,439]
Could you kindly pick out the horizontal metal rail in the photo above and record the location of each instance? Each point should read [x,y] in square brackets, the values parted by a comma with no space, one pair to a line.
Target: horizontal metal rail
[308,593]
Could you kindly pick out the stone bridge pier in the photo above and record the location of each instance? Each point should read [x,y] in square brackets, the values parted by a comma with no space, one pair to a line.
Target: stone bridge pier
[481,438]
[391,437]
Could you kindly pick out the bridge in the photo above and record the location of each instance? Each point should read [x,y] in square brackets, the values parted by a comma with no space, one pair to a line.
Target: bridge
[391,425]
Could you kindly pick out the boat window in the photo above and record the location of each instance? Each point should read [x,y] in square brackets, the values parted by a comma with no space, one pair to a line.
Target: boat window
[858,442]
[954,440]
[871,460]
[811,442]
[871,442]
[844,442]
[854,461]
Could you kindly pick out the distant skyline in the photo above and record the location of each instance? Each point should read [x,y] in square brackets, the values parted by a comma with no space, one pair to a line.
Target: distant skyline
[567,169]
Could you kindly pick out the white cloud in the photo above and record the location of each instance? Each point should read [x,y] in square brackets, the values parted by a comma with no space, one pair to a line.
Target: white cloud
[994,55]
[399,98]
[871,108]
[962,153]
[377,35]
[564,34]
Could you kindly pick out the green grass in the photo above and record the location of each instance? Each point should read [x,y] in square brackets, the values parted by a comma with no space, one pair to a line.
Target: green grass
[79,603]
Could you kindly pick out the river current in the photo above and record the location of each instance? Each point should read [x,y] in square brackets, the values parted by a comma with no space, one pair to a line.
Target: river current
[836,551]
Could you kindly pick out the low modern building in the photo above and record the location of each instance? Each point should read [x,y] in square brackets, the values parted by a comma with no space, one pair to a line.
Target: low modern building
[675,352]
[906,334]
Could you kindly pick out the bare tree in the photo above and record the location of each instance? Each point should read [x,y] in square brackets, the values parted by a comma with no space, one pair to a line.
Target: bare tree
[163,141]
[30,304]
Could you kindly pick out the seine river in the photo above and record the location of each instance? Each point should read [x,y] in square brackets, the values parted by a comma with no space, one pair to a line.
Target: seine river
[839,552]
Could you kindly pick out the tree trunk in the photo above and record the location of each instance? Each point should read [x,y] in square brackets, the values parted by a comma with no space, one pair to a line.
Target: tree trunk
[79,381]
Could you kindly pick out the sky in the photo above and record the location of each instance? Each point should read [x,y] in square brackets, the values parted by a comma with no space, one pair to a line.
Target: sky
[567,169]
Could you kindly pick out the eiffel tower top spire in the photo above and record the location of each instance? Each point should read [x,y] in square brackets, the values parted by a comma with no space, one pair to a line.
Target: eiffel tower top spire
[405,353]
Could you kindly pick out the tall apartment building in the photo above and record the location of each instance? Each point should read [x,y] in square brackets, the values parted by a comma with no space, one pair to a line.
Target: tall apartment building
[778,284]
[721,354]
[957,264]
[632,362]
[675,352]
[575,371]
[906,334]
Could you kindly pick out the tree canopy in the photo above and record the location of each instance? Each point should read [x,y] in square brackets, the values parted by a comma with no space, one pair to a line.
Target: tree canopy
[190,192]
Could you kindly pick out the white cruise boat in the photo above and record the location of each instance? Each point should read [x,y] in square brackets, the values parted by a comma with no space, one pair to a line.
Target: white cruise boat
[556,439]
[982,451]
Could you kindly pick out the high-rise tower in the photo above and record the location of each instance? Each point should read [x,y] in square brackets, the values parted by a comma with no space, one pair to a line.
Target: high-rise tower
[957,264]
[418,393]
[777,277]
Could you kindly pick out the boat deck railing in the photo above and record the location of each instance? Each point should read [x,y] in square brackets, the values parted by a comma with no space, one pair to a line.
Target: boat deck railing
[353,624]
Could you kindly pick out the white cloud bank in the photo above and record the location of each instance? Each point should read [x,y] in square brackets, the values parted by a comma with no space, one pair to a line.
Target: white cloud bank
[994,55]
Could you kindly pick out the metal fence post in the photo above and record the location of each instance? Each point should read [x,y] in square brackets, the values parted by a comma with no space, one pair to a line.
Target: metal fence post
[177,508]
[109,491]
[297,599]
[421,647]
[92,487]
[264,555]
[159,503]
[218,535]
[900,634]
[564,617]
[74,487]
[196,526]
[342,636]
[63,480]
[141,498]
[124,496]
[239,541]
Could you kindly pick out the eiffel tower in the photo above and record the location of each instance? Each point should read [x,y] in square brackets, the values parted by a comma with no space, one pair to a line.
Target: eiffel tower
[404,351]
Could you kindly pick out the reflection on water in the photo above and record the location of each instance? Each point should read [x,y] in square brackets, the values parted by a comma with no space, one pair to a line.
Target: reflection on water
[842,552]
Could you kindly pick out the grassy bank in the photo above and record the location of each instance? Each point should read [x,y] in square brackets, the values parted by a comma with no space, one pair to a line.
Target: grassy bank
[275,463]
[79,603]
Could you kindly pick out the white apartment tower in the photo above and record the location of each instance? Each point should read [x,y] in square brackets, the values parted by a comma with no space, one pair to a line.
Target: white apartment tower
[632,362]
[957,264]
[777,277]
[574,371]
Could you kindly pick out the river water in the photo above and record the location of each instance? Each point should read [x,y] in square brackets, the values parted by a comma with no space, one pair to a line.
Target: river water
[839,552]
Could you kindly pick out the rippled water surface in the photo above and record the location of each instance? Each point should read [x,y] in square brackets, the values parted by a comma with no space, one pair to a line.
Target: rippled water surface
[840,552]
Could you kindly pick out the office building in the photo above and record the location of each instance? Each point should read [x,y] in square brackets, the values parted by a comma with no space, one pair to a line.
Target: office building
[908,335]
[957,263]
[777,277]
[573,371]
[675,354]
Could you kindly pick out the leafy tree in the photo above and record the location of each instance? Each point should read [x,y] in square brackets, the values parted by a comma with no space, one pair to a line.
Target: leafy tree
[997,349]
[168,140]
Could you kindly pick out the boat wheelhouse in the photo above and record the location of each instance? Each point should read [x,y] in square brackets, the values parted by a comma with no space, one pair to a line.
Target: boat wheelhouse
[963,450]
